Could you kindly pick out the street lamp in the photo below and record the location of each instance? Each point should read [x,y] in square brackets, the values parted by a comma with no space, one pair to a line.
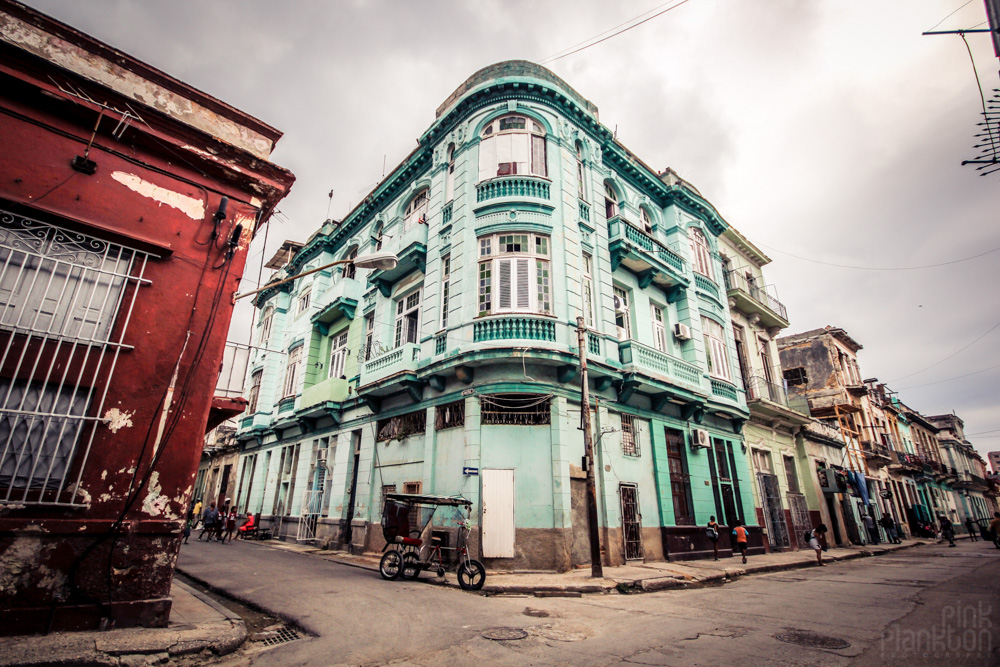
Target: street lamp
[380,261]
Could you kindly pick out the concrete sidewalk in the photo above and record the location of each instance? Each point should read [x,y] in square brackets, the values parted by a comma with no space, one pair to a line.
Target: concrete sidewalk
[199,629]
[633,578]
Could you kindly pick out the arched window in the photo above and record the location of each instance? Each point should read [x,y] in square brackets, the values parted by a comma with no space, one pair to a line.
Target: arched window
[512,145]
[700,253]
[266,320]
[581,189]
[449,180]
[377,237]
[349,270]
[254,390]
[610,201]
[647,224]
[416,211]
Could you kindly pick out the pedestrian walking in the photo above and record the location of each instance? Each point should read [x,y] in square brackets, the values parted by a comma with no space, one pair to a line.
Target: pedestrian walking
[197,513]
[970,525]
[995,529]
[890,528]
[947,530]
[869,522]
[230,525]
[816,541]
[220,524]
[208,519]
[187,529]
[740,533]
[713,535]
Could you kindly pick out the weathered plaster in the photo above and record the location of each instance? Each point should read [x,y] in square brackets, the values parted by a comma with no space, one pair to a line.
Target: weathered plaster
[117,419]
[189,206]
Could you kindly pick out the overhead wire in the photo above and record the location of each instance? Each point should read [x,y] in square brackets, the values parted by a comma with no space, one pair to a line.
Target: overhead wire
[949,16]
[882,268]
[601,34]
[961,349]
[957,377]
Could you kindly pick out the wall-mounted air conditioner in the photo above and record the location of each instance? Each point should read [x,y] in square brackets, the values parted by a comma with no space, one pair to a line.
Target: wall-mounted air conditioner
[620,306]
[699,438]
[622,333]
[682,331]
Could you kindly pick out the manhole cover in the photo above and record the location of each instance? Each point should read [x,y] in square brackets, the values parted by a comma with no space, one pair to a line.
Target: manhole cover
[500,634]
[812,640]
[278,636]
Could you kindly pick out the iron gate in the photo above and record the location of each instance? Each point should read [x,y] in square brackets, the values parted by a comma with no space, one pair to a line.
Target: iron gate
[631,521]
[774,515]
[800,516]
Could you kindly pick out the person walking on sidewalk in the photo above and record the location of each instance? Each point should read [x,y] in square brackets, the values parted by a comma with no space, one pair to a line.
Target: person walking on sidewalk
[230,525]
[220,523]
[713,535]
[816,541]
[208,519]
[741,539]
[995,529]
[869,522]
[947,530]
[890,528]
[970,526]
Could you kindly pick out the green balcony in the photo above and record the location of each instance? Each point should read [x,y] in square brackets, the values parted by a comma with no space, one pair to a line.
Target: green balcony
[513,187]
[400,360]
[331,390]
[642,254]
[723,389]
[410,246]
[341,301]
[660,365]
[514,327]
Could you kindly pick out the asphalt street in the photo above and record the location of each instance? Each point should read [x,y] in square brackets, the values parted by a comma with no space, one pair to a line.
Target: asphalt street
[930,605]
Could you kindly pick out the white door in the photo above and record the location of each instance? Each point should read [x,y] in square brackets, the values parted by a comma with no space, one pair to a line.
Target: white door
[498,513]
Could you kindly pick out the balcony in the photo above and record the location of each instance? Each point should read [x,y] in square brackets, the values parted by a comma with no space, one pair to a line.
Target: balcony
[650,260]
[409,244]
[513,187]
[228,401]
[514,327]
[323,397]
[723,389]
[876,453]
[399,360]
[659,365]
[754,300]
[342,301]
[772,399]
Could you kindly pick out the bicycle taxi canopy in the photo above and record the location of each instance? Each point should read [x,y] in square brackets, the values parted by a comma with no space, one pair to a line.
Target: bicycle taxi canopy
[406,513]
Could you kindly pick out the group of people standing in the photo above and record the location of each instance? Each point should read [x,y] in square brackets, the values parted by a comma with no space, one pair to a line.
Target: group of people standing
[220,524]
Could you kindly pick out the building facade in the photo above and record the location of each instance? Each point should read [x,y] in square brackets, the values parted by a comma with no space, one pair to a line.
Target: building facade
[127,202]
[457,372]
[974,494]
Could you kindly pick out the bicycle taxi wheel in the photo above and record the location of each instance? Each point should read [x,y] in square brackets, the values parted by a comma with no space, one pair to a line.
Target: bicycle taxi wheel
[391,565]
[471,575]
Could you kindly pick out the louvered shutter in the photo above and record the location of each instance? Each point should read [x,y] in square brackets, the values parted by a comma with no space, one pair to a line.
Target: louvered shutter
[523,285]
[538,156]
[487,159]
[505,287]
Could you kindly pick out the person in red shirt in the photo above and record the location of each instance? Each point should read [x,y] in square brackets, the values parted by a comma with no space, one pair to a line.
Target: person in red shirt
[741,539]
[247,526]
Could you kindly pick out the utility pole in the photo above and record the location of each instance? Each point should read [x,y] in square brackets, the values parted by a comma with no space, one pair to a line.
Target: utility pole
[596,568]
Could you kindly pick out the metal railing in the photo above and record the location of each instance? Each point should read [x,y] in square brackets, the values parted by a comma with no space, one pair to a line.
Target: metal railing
[737,280]
[643,240]
[513,186]
[758,388]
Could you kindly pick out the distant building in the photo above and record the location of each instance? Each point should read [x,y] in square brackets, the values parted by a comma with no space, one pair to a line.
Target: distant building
[127,202]
[994,458]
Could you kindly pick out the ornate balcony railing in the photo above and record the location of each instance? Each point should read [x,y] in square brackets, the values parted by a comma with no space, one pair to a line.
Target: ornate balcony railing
[758,388]
[514,327]
[738,282]
[648,243]
[513,186]
[406,357]
[593,344]
[584,211]
[706,284]
[654,362]
[724,389]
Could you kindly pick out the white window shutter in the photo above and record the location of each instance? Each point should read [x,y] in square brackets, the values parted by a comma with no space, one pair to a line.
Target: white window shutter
[523,284]
[504,278]
[487,159]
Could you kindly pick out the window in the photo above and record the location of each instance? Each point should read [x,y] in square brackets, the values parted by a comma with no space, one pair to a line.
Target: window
[445,289]
[407,319]
[516,409]
[630,440]
[377,237]
[680,482]
[254,390]
[610,201]
[338,355]
[581,189]
[292,372]
[791,475]
[721,462]
[715,349]
[416,211]
[449,180]
[647,224]
[386,490]
[266,320]
[304,299]
[402,426]
[762,459]
[449,415]
[621,314]
[588,289]
[349,270]
[369,335]
[794,376]
[413,487]
[700,253]
[514,274]
[659,330]
[512,145]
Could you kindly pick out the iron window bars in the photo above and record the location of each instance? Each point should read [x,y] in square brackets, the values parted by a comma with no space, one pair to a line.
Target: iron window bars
[516,409]
[61,293]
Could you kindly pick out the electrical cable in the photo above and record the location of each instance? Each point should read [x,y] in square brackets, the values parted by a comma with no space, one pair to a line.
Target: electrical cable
[982,432]
[623,23]
[957,377]
[965,347]
[949,16]
[882,268]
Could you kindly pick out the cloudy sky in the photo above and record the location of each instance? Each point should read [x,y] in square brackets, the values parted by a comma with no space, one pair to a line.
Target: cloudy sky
[830,132]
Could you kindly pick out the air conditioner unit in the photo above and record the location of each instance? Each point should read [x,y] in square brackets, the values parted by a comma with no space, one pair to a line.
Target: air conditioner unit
[699,438]
[622,333]
[682,331]
[620,306]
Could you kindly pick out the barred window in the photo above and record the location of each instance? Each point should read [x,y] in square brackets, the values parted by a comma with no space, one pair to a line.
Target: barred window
[402,426]
[449,415]
[630,441]
[516,409]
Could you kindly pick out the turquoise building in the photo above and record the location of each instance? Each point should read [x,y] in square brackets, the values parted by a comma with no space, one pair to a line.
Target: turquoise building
[457,372]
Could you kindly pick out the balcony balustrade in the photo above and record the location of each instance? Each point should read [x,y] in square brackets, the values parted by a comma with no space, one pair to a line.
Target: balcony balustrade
[656,364]
[401,359]
[753,299]
[644,255]
[517,187]
[724,389]
[510,327]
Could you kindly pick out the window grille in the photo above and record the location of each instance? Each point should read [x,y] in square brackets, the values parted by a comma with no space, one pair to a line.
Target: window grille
[412,487]
[630,443]
[516,409]
[402,426]
[65,303]
[449,415]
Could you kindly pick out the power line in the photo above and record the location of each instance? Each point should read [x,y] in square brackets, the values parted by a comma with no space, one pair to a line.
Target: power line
[982,432]
[882,268]
[615,34]
[949,16]
[961,349]
[624,23]
[927,384]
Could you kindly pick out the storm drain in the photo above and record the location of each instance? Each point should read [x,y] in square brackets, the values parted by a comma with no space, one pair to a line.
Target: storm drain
[505,634]
[811,640]
[280,635]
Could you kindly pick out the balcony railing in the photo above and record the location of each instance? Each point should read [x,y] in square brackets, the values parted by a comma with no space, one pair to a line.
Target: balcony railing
[737,281]
[406,357]
[648,243]
[584,211]
[655,363]
[514,327]
[513,186]
[724,389]
[759,388]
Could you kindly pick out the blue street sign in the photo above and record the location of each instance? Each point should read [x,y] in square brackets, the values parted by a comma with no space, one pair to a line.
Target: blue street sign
[470,471]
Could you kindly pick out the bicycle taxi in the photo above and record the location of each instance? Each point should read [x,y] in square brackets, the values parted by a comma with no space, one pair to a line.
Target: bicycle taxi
[428,533]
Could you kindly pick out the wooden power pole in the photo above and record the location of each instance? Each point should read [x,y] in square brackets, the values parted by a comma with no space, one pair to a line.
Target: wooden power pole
[596,568]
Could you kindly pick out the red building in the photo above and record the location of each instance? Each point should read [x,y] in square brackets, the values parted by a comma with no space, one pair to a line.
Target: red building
[128,200]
